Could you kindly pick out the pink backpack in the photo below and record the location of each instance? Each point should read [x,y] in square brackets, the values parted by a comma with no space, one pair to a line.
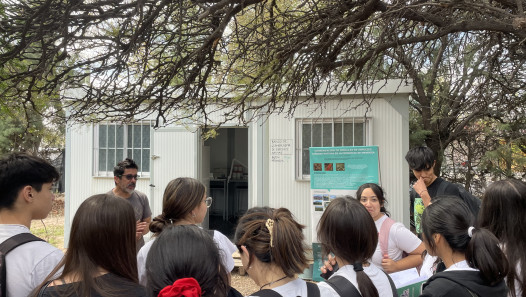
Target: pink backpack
[383,235]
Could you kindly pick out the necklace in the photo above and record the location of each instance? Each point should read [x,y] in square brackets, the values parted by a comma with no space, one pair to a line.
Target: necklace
[273,282]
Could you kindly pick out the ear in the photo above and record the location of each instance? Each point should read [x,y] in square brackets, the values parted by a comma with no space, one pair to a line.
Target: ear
[27,193]
[116,179]
[245,254]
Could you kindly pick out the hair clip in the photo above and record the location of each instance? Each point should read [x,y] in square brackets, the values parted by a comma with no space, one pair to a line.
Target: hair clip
[270,226]
[470,231]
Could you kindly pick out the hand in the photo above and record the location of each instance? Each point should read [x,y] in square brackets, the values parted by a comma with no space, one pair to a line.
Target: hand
[420,186]
[327,265]
[140,229]
[388,264]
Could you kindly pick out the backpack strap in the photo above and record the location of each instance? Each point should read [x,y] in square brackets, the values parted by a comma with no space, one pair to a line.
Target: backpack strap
[383,235]
[7,246]
[441,188]
[393,286]
[266,293]
[343,287]
[313,290]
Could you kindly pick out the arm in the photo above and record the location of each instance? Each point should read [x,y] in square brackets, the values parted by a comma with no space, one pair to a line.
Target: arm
[414,259]
[421,189]
[142,228]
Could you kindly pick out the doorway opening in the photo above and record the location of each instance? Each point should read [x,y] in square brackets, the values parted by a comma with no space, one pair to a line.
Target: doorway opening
[227,158]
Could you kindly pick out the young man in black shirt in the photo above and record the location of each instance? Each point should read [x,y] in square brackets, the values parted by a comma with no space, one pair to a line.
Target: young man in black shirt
[422,162]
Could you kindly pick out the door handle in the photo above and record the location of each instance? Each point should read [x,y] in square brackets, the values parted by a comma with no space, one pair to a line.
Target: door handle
[155,157]
[152,185]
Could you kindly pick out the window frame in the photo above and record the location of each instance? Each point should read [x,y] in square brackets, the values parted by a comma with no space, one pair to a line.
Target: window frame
[125,147]
[367,135]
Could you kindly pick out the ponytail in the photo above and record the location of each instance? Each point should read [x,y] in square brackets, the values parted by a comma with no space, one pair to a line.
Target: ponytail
[484,253]
[273,236]
[365,285]
[158,224]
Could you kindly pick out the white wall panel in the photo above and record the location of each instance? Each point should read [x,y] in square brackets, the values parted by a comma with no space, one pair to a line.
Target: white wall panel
[390,127]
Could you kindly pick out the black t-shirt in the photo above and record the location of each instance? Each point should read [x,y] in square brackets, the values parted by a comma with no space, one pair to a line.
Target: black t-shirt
[117,286]
[450,190]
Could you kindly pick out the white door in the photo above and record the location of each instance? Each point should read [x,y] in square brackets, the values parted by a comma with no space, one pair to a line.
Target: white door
[175,153]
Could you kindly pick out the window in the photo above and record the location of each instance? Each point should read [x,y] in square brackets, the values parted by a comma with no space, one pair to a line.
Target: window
[113,143]
[326,133]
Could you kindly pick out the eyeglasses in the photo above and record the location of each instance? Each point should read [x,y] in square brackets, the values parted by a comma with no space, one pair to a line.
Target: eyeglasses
[208,201]
[130,176]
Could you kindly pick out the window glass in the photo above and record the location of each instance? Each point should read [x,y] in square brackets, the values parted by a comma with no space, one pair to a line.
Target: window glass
[348,134]
[116,142]
[306,135]
[145,160]
[359,138]
[111,159]
[316,135]
[119,133]
[103,136]
[338,127]
[145,136]
[137,136]
[102,159]
[327,134]
[111,136]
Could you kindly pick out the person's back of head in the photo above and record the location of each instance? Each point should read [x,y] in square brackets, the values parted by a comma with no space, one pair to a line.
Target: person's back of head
[102,236]
[181,196]
[347,230]
[273,237]
[18,170]
[186,251]
[451,218]
[503,212]
[420,158]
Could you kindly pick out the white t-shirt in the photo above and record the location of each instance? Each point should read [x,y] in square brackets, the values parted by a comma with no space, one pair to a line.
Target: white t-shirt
[29,264]
[377,276]
[297,287]
[226,249]
[401,240]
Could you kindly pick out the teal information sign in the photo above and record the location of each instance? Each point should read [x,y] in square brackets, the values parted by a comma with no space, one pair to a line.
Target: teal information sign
[337,172]
[344,168]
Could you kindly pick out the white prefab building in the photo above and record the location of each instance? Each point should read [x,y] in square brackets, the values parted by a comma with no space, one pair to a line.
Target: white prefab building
[263,164]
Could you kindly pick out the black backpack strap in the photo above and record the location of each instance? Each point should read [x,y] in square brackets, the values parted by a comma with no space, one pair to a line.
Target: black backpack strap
[266,293]
[343,287]
[393,286]
[313,290]
[442,188]
[7,246]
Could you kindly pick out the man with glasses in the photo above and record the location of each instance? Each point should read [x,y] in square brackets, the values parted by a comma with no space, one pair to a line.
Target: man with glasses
[125,177]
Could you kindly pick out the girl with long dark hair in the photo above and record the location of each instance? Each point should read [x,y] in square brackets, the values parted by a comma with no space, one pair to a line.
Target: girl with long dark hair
[185,261]
[184,203]
[100,260]
[272,249]
[475,264]
[347,230]
[395,240]
[503,212]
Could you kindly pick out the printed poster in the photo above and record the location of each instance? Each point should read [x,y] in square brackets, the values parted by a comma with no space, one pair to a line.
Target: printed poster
[337,172]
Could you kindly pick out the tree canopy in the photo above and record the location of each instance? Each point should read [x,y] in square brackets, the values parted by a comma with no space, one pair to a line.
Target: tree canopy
[172,59]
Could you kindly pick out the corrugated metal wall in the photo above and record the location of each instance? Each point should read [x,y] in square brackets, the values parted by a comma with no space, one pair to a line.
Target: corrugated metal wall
[389,131]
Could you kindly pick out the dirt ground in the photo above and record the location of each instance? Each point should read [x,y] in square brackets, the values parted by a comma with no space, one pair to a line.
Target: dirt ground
[52,230]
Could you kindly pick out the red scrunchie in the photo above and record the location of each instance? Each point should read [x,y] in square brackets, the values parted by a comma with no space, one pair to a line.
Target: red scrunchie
[187,287]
